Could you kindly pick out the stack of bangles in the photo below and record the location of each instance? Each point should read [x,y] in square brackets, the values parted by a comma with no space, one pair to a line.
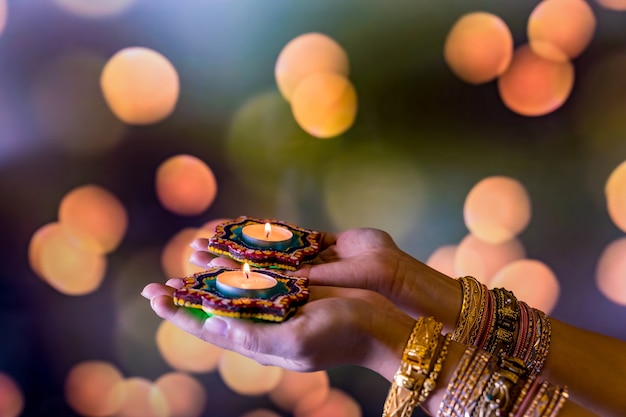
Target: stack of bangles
[507,344]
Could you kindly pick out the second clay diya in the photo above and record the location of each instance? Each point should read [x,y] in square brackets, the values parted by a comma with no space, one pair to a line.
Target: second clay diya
[219,291]
[265,243]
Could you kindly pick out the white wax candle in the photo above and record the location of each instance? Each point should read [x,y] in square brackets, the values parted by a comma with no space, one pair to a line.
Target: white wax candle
[267,235]
[245,283]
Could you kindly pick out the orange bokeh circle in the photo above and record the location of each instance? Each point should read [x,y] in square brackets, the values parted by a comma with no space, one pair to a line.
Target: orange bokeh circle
[11,397]
[611,270]
[615,193]
[619,5]
[140,85]
[185,185]
[306,55]
[479,47]
[483,260]
[93,388]
[185,396]
[184,351]
[95,213]
[531,281]
[60,259]
[535,86]
[300,390]
[246,376]
[497,209]
[324,104]
[560,30]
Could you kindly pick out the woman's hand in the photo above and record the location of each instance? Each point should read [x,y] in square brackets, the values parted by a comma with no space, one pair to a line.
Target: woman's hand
[370,259]
[336,326]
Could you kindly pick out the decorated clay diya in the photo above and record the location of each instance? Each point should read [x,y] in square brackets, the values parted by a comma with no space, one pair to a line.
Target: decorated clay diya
[260,295]
[265,243]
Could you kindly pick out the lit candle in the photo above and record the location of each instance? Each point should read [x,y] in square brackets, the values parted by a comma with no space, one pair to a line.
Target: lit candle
[267,236]
[245,283]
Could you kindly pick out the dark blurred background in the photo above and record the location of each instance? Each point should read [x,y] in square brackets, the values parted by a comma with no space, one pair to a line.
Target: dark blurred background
[421,139]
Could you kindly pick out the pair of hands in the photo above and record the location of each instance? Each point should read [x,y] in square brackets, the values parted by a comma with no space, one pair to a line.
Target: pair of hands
[364,293]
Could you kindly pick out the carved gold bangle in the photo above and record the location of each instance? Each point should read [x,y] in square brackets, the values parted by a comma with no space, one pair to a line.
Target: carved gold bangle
[473,305]
[431,382]
[415,367]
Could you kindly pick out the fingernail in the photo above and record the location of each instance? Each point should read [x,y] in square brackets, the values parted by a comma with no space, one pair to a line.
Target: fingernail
[216,325]
[144,294]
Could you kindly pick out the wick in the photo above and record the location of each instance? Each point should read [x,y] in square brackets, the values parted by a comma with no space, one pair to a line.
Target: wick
[247,275]
[267,234]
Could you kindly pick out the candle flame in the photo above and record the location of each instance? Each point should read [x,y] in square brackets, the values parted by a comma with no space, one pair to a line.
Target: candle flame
[246,270]
[268,230]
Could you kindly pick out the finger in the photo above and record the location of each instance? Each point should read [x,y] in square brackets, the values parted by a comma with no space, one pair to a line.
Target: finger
[182,317]
[223,261]
[175,283]
[201,258]
[154,290]
[327,239]
[200,244]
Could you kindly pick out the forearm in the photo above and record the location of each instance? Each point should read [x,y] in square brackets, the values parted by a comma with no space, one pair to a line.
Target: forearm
[591,365]
[588,363]
[439,295]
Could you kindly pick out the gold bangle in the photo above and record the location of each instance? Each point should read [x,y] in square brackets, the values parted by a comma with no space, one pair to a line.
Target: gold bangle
[472,309]
[499,394]
[431,382]
[507,310]
[415,367]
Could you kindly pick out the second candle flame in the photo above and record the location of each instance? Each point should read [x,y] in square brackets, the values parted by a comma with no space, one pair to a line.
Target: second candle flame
[246,270]
[268,230]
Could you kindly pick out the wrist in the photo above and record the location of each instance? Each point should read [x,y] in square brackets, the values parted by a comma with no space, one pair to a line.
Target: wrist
[439,295]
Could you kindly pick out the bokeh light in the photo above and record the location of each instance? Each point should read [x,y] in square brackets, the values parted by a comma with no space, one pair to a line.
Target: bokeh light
[142,399]
[303,391]
[497,209]
[479,47]
[37,240]
[619,5]
[3,15]
[185,395]
[442,259]
[324,104]
[385,182]
[68,106]
[95,9]
[94,388]
[615,192]
[11,397]
[531,281]
[306,55]
[337,404]
[61,260]
[185,185]
[483,260]
[535,86]
[611,270]
[246,376]
[140,86]
[185,352]
[93,211]
[560,30]
[176,253]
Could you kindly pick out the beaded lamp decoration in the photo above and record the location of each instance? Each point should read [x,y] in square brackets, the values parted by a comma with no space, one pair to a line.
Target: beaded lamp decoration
[203,291]
[281,246]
